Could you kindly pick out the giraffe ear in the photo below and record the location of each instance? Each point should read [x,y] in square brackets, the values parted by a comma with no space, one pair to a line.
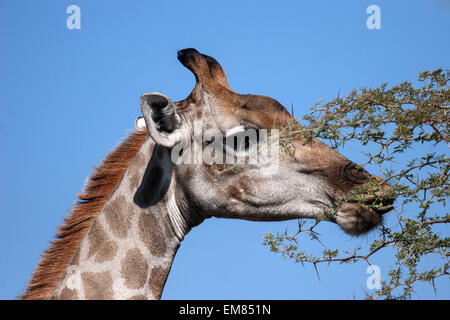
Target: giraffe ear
[156,180]
[161,119]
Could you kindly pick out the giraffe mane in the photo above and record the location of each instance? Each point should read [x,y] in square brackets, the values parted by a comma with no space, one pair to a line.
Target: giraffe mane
[98,188]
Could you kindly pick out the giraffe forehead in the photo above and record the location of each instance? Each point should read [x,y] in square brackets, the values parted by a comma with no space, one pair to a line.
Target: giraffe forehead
[261,111]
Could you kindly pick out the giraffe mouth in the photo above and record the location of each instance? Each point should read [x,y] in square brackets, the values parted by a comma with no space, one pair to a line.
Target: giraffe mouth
[357,218]
[384,209]
[381,206]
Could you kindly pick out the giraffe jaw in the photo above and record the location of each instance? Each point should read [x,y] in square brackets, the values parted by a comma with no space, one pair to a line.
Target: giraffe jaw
[356,219]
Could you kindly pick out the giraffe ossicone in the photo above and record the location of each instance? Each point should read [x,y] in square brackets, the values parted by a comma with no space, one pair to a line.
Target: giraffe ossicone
[121,237]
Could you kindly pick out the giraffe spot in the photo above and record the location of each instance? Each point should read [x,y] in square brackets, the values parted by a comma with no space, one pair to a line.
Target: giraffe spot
[67,294]
[97,286]
[136,171]
[118,214]
[139,160]
[76,258]
[106,251]
[199,113]
[138,297]
[135,178]
[134,269]
[151,234]
[97,237]
[100,245]
[158,277]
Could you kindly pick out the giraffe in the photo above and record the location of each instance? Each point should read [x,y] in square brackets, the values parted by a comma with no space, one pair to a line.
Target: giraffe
[121,237]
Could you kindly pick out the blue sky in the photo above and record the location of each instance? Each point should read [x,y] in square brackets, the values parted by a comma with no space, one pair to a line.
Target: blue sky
[67,97]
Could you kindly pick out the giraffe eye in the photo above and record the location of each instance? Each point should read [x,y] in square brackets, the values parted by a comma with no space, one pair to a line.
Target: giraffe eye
[356,174]
[243,141]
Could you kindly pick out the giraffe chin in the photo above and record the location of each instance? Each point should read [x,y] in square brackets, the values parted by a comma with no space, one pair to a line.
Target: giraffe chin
[357,219]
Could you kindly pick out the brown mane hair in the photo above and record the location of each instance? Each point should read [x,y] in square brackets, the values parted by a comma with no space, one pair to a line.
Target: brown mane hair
[100,185]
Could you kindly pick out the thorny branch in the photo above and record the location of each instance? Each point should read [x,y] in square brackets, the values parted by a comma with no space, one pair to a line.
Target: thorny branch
[399,123]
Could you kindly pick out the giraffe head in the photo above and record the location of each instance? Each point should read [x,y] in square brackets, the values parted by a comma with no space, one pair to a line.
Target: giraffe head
[307,181]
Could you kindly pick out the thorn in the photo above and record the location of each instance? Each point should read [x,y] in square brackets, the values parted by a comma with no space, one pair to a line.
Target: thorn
[317,271]
[434,286]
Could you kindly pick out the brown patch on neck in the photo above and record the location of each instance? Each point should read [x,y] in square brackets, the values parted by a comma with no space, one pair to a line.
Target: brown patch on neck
[151,234]
[97,286]
[158,278]
[68,294]
[98,189]
[138,297]
[134,269]
[100,245]
[118,214]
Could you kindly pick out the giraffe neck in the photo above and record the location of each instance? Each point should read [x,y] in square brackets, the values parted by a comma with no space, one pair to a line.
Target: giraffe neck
[129,249]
